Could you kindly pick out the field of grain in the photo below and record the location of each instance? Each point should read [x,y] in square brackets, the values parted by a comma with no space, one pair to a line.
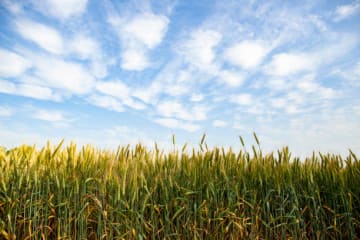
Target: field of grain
[66,192]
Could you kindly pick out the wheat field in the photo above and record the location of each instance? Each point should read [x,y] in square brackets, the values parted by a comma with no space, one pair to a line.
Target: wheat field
[70,192]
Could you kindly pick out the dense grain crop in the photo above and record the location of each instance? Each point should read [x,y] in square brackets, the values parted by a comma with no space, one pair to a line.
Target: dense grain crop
[136,193]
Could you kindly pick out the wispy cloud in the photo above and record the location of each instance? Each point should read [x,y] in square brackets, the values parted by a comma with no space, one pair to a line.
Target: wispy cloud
[5,111]
[196,97]
[28,90]
[284,64]
[219,123]
[308,85]
[199,49]
[85,47]
[106,102]
[246,54]
[134,60]
[44,36]
[138,35]
[232,78]
[120,91]
[12,64]
[12,6]
[351,74]
[173,80]
[71,77]
[61,10]
[48,115]
[173,123]
[244,99]
[149,94]
[114,88]
[174,109]
[336,46]
[147,28]
[345,11]
[55,117]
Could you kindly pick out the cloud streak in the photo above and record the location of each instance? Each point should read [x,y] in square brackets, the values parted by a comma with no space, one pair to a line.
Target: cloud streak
[12,64]
[42,35]
[61,10]
[345,11]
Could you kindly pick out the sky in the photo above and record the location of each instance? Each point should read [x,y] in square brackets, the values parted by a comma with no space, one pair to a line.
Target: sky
[113,73]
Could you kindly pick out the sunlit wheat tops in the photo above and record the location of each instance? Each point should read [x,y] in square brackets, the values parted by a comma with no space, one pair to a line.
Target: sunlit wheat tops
[138,193]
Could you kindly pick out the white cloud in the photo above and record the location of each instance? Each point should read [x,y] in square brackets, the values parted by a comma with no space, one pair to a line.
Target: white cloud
[238,126]
[306,135]
[173,80]
[99,67]
[335,48]
[119,131]
[147,28]
[174,109]
[318,22]
[130,102]
[168,122]
[176,81]
[177,124]
[114,88]
[307,84]
[278,102]
[13,7]
[176,89]
[49,115]
[28,90]
[63,9]
[120,91]
[134,59]
[350,74]
[308,87]
[291,109]
[277,83]
[56,118]
[5,111]
[232,78]
[196,97]
[44,36]
[340,45]
[138,35]
[284,104]
[285,64]
[84,47]
[107,102]
[69,76]
[345,11]
[12,64]
[327,93]
[199,49]
[296,96]
[219,123]
[244,99]
[246,54]
[149,94]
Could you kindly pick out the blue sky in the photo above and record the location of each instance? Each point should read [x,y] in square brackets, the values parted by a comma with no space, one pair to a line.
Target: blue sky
[111,73]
